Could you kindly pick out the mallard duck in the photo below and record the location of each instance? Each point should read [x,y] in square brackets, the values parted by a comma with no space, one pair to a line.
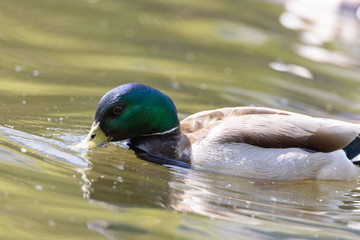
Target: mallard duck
[252,142]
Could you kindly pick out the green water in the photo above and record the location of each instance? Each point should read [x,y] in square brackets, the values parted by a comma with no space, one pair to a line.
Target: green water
[59,57]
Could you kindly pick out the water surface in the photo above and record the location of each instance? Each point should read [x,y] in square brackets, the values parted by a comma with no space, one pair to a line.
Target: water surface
[60,57]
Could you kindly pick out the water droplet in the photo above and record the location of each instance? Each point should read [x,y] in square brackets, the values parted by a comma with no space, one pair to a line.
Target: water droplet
[203,86]
[23,150]
[51,223]
[19,68]
[72,219]
[228,71]
[23,102]
[36,73]
[175,84]
[104,23]
[120,179]
[190,56]
[39,187]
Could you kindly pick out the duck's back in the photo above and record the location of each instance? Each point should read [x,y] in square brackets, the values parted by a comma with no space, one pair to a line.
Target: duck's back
[264,139]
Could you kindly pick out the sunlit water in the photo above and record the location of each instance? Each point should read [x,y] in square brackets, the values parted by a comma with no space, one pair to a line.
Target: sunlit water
[60,57]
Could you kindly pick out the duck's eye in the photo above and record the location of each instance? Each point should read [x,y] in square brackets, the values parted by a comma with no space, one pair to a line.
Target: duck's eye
[92,136]
[117,110]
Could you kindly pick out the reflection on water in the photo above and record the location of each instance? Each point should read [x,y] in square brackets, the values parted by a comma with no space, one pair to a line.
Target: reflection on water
[322,55]
[291,68]
[60,57]
[321,23]
[247,202]
[49,149]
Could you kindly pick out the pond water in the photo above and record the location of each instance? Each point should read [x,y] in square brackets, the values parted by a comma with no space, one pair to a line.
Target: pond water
[60,57]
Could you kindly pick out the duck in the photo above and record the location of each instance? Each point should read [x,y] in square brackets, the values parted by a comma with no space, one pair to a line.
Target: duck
[249,142]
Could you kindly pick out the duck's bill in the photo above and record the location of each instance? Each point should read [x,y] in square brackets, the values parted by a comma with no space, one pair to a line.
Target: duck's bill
[95,138]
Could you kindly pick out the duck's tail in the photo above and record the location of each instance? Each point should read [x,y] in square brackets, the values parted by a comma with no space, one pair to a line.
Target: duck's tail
[353,151]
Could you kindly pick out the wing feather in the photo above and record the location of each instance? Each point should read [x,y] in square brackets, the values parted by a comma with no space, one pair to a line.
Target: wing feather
[269,128]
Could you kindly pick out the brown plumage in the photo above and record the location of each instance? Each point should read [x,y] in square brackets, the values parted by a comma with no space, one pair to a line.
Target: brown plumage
[269,128]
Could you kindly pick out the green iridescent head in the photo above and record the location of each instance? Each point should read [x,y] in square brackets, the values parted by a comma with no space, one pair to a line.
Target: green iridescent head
[131,110]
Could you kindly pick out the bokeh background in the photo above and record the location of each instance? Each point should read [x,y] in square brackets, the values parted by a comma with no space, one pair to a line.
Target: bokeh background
[58,58]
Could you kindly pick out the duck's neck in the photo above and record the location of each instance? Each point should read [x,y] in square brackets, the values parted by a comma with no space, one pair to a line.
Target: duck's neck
[170,145]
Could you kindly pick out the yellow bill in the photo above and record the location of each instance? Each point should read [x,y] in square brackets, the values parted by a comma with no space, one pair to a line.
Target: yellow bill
[95,138]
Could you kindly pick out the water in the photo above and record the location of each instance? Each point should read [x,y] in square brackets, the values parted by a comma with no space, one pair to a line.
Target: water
[60,57]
